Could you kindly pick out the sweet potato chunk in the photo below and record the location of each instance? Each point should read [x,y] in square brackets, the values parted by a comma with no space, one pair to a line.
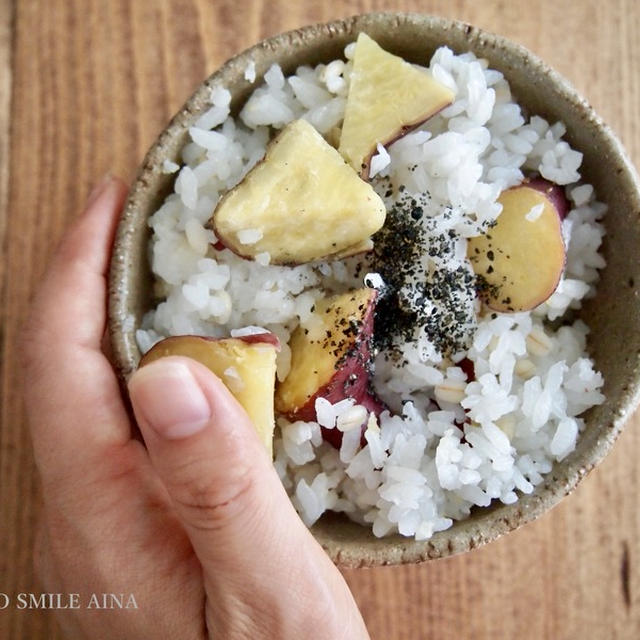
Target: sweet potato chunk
[387,98]
[329,355]
[519,261]
[301,203]
[246,365]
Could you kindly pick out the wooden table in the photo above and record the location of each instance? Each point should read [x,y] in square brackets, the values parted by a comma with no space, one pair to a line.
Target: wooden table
[86,85]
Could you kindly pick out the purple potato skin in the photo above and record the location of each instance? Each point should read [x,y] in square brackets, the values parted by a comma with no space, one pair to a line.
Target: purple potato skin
[266,337]
[403,131]
[256,338]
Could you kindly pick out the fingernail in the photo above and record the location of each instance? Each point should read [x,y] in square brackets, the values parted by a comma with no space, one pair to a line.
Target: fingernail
[99,189]
[169,399]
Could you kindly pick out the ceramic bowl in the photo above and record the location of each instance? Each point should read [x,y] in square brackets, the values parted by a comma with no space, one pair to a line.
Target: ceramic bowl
[613,315]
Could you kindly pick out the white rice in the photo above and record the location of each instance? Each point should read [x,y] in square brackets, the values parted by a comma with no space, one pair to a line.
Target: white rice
[380,161]
[250,72]
[170,167]
[249,236]
[450,444]
[534,213]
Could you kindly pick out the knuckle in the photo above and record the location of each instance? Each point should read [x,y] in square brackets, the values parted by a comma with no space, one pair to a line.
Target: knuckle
[209,501]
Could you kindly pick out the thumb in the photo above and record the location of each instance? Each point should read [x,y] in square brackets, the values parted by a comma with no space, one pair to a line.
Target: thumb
[256,554]
[205,449]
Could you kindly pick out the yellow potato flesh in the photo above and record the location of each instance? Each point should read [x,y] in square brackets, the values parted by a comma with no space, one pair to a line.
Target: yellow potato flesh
[247,369]
[520,260]
[387,97]
[303,198]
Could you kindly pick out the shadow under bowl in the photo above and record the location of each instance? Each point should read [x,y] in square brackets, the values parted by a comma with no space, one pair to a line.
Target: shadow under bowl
[613,314]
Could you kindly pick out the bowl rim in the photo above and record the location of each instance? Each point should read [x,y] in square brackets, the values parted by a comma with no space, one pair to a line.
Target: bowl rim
[485,526]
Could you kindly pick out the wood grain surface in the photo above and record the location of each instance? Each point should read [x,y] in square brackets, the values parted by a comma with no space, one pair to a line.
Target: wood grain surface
[86,85]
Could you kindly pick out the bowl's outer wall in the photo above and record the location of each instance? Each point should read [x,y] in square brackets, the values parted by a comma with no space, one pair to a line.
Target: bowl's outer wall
[613,316]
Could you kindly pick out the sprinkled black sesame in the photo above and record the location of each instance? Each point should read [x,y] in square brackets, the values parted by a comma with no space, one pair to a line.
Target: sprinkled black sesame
[418,294]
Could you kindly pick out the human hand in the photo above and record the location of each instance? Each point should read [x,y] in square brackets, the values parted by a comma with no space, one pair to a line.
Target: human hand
[197,525]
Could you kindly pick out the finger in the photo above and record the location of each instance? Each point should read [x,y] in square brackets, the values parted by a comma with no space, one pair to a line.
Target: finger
[206,451]
[244,530]
[74,291]
[72,396]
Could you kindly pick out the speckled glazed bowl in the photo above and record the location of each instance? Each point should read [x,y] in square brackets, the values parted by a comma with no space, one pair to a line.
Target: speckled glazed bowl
[614,315]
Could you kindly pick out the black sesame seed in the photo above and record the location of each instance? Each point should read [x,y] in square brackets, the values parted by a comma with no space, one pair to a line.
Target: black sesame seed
[419,295]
